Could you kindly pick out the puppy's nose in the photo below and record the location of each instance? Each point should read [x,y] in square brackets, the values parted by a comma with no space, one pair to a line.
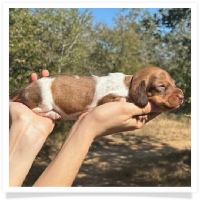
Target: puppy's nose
[180,97]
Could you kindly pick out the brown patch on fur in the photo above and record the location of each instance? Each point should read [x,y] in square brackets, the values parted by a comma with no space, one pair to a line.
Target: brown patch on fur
[15,96]
[31,95]
[73,94]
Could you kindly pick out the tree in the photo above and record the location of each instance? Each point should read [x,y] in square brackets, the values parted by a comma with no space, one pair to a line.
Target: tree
[59,40]
[25,48]
[67,37]
[177,45]
[123,47]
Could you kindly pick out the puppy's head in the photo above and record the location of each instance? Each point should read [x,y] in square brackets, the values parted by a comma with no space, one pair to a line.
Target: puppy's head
[155,85]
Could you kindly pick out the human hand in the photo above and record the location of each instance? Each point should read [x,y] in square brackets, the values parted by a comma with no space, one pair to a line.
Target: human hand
[27,134]
[118,117]
[21,112]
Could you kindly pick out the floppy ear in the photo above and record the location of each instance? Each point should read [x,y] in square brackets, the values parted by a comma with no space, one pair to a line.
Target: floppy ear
[137,93]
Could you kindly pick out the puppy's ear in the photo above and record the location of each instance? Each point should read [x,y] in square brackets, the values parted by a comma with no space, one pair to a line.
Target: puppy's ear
[137,93]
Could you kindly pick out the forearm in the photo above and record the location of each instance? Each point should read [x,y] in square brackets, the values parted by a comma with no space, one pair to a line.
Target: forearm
[65,166]
[99,122]
[24,145]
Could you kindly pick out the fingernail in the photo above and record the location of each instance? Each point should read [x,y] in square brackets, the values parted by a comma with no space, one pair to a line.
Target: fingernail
[45,72]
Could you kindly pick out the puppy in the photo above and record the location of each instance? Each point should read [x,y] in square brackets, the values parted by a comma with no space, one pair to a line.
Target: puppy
[68,96]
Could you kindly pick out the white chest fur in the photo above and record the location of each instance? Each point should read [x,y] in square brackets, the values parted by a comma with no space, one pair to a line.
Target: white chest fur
[113,83]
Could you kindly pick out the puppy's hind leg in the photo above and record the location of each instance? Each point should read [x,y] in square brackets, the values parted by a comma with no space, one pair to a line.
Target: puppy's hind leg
[46,112]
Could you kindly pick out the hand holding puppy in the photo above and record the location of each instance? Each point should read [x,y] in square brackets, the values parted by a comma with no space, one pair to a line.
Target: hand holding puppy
[29,131]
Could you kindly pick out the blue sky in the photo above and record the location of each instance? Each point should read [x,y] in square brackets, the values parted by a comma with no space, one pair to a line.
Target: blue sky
[104,14]
[107,14]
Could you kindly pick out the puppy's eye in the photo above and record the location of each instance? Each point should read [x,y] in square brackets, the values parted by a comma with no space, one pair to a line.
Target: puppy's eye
[161,86]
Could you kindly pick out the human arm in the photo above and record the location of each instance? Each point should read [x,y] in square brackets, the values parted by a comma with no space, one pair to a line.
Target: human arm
[28,133]
[103,120]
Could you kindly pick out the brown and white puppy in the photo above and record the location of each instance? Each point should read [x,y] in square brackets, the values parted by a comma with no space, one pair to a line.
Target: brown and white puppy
[66,97]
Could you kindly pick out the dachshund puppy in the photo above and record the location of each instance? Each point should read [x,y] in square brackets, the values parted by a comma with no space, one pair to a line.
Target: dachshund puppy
[68,96]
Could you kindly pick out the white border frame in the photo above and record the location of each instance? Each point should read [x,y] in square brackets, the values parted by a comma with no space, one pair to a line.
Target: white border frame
[99,4]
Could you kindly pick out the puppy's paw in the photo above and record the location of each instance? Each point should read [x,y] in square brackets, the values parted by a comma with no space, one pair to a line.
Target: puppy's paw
[51,114]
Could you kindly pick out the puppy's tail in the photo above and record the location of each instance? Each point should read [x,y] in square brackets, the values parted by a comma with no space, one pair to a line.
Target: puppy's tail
[16,95]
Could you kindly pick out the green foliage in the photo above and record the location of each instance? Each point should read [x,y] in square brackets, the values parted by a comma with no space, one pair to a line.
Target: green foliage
[177,48]
[66,36]
[67,41]
[56,39]
[25,48]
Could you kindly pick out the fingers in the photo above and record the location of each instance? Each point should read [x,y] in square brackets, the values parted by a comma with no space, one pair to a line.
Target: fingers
[33,77]
[135,110]
[45,73]
[149,108]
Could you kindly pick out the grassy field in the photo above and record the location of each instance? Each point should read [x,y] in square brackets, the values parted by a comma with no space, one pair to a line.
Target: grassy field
[159,154]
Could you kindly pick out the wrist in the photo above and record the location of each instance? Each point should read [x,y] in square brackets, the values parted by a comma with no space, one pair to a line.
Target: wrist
[23,137]
[91,127]
[26,132]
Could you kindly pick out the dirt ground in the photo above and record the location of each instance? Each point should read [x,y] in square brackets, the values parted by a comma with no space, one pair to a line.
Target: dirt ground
[157,155]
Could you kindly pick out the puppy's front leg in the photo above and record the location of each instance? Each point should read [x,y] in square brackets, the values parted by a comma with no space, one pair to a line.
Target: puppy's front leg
[109,98]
